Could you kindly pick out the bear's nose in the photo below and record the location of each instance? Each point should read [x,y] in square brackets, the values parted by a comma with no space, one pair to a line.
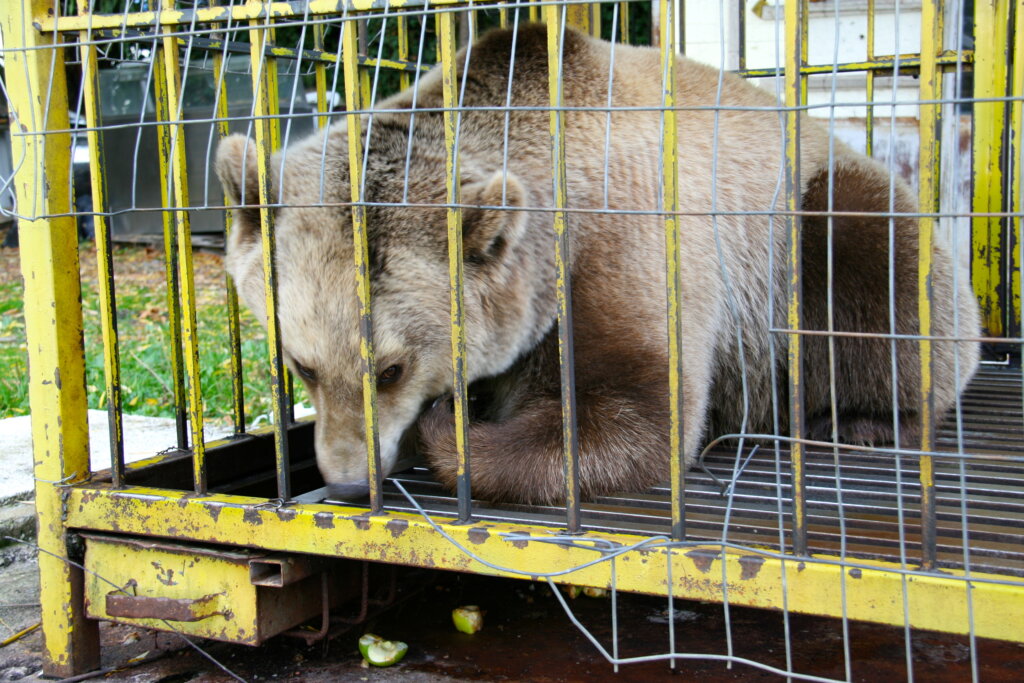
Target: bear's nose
[353,493]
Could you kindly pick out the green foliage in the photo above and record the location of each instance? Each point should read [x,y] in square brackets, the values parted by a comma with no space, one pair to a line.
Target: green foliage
[145,351]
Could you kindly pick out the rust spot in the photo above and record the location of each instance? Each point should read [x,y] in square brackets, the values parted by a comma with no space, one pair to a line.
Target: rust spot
[702,559]
[252,516]
[397,527]
[174,609]
[855,573]
[478,535]
[56,378]
[286,514]
[520,543]
[214,511]
[361,521]
[164,576]
[323,520]
[802,566]
[750,566]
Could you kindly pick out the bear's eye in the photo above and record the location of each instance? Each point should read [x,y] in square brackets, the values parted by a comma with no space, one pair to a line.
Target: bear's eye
[389,376]
[307,373]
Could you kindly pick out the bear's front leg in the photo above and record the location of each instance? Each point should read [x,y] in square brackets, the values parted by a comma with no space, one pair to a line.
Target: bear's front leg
[623,444]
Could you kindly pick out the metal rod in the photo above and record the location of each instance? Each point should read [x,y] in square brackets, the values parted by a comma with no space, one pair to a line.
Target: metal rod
[104,262]
[361,253]
[186,276]
[230,293]
[794,93]
[928,196]
[268,139]
[163,136]
[673,270]
[989,253]
[555,19]
[446,32]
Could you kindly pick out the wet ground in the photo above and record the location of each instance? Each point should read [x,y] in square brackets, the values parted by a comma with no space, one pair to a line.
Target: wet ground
[526,637]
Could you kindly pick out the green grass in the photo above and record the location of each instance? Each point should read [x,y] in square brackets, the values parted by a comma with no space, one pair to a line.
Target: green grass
[145,350]
[14,377]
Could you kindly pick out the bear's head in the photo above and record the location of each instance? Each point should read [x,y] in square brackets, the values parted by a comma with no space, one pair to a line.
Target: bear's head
[317,300]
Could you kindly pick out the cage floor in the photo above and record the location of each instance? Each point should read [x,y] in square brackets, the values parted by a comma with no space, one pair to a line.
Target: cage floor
[865,497]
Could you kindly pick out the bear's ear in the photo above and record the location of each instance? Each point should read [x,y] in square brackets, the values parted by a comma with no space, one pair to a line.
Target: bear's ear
[496,220]
[237,171]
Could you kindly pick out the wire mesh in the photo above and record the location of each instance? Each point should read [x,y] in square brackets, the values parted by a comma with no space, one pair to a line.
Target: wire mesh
[354,133]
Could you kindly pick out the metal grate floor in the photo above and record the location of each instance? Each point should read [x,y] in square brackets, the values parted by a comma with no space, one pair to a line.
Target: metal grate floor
[980,498]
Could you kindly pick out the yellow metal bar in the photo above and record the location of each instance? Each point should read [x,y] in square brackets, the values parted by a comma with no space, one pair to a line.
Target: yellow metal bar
[353,104]
[673,270]
[946,60]
[365,86]
[624,21]
[869,121]
[364,73]
[812,585]
[163,137]
[535,13]
[230,293]
[320,73]
[870,37]
[186,278]
[555,18]
[37,91]
[104,262]
[239,13]
[403,50]
[585,18]
[795,93]
[268,139]
[805,18]
[1017,172]
[928,197]
[990,62]
[446,35]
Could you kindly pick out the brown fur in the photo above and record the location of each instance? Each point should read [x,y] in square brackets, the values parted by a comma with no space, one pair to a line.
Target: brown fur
[617,272]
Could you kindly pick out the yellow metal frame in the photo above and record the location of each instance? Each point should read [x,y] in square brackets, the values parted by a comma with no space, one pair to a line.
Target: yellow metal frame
[53,321]
[928,202]
[945,601]
[936,601]
[991,57]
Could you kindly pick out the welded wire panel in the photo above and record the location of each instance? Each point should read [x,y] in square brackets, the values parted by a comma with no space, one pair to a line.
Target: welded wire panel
[875,487]
[949,502]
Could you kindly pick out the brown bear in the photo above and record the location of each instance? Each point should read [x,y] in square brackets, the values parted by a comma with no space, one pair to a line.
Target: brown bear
[730,170]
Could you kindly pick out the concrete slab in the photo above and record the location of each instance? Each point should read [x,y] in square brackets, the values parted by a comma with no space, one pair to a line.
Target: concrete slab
[143,437]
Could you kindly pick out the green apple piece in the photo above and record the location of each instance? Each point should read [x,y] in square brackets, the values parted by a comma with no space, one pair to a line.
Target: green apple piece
[468,619]
[380,652]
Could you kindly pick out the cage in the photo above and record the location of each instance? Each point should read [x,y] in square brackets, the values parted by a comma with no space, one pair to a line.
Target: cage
[923,533]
